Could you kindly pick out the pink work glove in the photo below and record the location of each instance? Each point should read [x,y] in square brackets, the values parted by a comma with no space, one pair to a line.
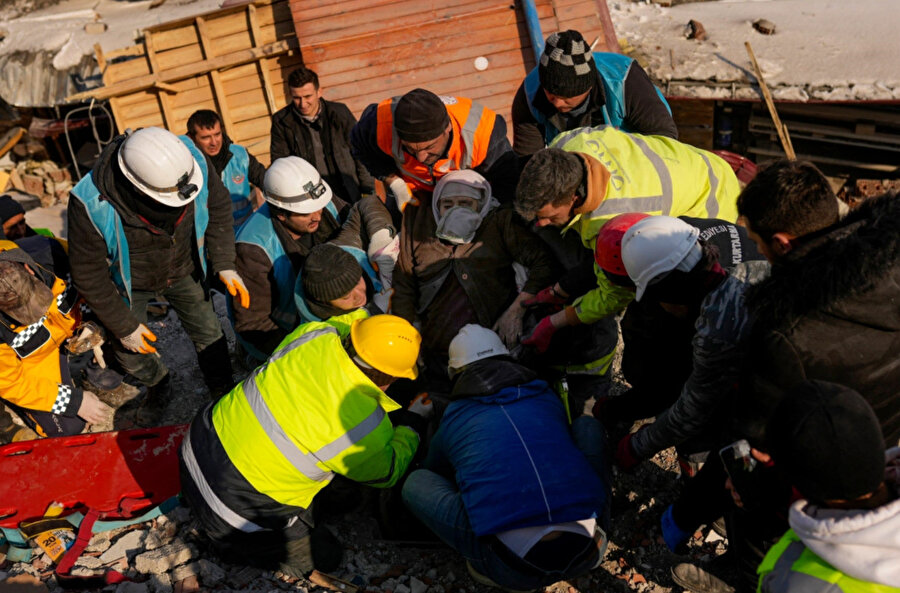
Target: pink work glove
[547,296]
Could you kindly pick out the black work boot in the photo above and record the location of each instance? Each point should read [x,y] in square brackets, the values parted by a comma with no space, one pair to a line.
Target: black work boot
[215,364]
[155,403]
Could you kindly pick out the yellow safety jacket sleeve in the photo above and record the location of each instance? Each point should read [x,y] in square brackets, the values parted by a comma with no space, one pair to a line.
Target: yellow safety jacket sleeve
[381,468]
[607,299]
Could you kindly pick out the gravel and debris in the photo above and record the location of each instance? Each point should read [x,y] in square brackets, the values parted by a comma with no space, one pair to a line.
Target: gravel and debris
[167,555]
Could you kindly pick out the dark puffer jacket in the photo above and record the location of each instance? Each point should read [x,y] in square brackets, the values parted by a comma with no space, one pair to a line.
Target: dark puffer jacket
[831,311]
[159,256]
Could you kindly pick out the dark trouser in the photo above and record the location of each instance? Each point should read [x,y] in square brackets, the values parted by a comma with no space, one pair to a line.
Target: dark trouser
[656,361]
[195,311]
[750,532]
[47,424]
[296,548]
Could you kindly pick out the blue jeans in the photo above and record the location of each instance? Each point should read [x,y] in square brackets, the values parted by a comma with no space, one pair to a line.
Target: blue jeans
[437,502]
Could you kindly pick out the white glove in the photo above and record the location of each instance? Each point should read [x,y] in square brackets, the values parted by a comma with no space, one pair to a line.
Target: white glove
[422,406]
[236,287]
[136,341]
[383,253]
[402,194]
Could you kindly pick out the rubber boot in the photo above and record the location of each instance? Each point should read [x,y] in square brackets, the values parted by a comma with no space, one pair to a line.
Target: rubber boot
[215,364]
[155,403]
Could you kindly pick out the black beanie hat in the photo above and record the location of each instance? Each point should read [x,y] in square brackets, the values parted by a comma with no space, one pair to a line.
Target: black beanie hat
[9,208]
[567,65]
[420,116]
[828,441]
[329,273]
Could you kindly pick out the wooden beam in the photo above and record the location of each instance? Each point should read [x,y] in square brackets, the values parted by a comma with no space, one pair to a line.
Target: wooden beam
[146,81]
[261,65]
[214,76]
[162,97]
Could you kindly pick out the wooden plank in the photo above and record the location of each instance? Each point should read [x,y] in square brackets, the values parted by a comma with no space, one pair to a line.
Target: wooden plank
[230,43]
[122,71]
[133,50]
[384,40]
[582,11]
[456,84]
[402,58]
[154,66]
[187,70]
[351,9]
[195,97]
[189,20]
[189,54]
[175,37]
[154,120]
[262,65]
[139,110]
[250,111]
[253,128]
[325,30]
[214,77]
[230,24]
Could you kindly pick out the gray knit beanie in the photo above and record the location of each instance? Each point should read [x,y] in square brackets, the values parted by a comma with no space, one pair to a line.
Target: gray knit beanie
[329,273]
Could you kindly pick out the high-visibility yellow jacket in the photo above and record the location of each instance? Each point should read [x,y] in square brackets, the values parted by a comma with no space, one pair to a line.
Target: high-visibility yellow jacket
[264,450]
[791,567]
[650,174]
[32,373]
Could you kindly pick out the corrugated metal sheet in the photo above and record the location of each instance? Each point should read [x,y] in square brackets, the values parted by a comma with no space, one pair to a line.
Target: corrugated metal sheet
[29,79]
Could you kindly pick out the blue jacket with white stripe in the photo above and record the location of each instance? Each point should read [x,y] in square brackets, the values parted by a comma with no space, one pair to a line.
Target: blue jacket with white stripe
[507,442]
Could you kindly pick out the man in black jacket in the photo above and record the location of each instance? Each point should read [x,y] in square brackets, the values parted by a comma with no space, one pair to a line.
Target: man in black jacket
[144,223]
[318,131]
[829,309]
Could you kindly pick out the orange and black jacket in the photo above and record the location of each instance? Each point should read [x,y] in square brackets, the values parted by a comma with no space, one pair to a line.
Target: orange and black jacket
[34,373]
[478,141]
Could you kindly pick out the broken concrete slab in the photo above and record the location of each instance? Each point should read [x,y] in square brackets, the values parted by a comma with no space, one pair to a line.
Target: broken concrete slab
[165,558]
[128,545]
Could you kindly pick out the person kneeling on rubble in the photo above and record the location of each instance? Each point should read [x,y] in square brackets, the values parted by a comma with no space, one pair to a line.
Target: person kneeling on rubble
[38,312]
[558,480]
[253,462]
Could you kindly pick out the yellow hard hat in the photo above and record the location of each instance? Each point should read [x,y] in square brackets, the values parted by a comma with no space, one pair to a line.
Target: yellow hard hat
[388,343]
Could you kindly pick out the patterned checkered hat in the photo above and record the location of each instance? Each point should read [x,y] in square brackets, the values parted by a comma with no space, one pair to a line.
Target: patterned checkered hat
[567,65]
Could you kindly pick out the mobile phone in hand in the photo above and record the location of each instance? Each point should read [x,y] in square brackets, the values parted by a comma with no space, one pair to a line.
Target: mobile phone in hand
[741,467]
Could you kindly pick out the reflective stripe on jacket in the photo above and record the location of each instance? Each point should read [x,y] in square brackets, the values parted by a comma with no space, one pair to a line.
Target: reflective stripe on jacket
[791,567]
[258,231]
[471,123]
[31,371]
[305,415]
[236,178]
[108,224]
[654,175]
[613,70]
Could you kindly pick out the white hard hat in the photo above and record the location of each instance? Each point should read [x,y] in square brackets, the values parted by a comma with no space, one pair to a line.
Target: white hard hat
[293,184]
[473,342]
[159,164]
[655,246]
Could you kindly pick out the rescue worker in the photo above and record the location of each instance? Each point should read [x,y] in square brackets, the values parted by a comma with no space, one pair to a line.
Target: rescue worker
[253,462]
[657,356]
[410,142]
[590,175]
[300,212]
[152,208]
[670,265]
[828,442]
[38,313]
[572,87]
[237,167]
[505,438]
[335,280]
[318,131]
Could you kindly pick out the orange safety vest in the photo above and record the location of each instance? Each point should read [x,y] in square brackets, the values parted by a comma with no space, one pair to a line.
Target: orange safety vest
[472,126]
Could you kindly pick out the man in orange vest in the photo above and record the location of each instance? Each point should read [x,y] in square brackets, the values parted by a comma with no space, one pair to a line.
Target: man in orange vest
[410,142]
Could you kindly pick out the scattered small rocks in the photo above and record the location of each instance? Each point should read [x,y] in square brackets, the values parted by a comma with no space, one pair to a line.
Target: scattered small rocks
[765,27]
